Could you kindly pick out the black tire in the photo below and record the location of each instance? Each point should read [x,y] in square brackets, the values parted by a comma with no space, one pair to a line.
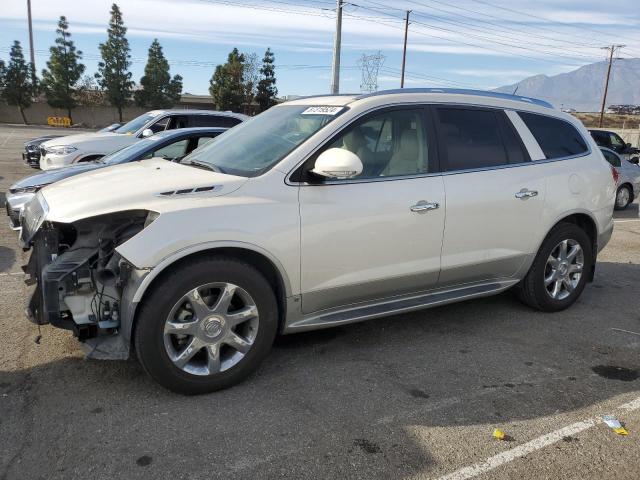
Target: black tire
[149,328]
[629,198]
[532,291]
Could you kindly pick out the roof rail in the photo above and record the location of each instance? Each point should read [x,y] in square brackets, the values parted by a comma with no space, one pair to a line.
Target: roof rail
[461,91]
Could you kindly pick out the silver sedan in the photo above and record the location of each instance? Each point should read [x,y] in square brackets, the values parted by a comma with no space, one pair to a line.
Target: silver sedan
[628,178]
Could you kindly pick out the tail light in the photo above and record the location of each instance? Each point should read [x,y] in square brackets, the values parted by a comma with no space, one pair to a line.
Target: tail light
[615,175]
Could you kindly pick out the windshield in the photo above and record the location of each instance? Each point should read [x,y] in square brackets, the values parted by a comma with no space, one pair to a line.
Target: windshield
[129,153]
[137,123]
[253,147]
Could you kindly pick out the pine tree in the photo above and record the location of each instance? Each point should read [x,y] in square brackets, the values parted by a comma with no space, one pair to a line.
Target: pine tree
[16,82]
[267,91]
[159,90]
[227,83]
[63,70]
[113,74]
[3,76]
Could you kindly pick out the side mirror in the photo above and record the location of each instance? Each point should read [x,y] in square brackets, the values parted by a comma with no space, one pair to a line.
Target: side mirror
[147,132]
[337,163]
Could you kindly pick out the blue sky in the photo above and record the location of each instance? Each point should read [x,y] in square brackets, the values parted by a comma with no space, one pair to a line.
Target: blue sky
[465,43]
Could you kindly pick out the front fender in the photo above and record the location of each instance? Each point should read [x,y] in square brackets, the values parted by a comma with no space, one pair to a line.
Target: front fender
[201,247]
[141,279]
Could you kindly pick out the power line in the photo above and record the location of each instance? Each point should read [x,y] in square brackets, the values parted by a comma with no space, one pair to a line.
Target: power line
[481,37]
[484,2]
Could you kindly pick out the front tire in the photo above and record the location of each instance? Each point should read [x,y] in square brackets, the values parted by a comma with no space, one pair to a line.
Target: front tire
[624,197]
[559,272]
[206,325]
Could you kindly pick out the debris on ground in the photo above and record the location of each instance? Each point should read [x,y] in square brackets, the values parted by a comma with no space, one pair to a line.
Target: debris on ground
[615,425]
[499,434]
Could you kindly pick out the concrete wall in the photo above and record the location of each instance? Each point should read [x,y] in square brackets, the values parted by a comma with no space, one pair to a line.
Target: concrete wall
[631,136]
[91,117]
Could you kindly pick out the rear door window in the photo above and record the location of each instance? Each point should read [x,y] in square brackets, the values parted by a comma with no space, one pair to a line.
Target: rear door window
[556,137]
[203,140]
[213,121]
[612,158]
[470,138]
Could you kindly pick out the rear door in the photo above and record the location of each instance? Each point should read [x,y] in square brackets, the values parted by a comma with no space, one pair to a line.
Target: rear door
[495,195]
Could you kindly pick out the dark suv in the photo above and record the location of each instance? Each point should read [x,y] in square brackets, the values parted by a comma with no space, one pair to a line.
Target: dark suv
[613,141]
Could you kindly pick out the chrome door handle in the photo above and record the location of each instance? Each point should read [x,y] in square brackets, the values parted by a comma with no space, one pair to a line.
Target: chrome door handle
[423,206]
[524,194]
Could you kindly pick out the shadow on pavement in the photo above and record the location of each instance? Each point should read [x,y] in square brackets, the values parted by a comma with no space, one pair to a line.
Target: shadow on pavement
[7,258]
[632,211]
[337,403]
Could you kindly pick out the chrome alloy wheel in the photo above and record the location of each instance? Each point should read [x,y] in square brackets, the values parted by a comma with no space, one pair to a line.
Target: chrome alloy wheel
[211,328]
[563,269]
[622,197]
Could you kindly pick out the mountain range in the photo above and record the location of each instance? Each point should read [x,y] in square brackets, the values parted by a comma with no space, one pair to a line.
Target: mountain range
[581,89]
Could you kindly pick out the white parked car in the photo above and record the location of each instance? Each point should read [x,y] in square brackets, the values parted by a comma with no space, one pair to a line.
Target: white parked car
[319,212]
[628,178]
[86,147]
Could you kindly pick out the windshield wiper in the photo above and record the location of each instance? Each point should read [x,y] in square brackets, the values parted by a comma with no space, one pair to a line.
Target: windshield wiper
[205,166]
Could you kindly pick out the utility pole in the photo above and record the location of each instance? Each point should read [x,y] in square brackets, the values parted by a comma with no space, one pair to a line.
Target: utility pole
[404,50]
[335,69]
[33,58]
[612,50]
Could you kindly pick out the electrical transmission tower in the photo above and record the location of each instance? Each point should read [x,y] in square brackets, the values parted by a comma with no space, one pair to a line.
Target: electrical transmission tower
[370,66]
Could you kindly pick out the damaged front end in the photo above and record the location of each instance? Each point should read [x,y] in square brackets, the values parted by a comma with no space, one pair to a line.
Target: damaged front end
[78,280]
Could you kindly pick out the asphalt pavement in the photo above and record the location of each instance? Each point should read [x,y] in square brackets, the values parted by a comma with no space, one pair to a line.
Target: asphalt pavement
[414,396]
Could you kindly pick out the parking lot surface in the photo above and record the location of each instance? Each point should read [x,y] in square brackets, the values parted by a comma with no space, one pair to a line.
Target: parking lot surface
[413,396]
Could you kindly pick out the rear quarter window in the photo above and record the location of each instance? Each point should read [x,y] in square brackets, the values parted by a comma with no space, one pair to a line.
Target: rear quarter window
[556,137]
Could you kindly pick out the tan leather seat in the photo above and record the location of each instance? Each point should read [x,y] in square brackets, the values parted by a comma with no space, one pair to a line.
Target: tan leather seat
[406,161]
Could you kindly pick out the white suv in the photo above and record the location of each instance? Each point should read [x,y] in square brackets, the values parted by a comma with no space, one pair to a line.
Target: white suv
[319,212]
[86,147]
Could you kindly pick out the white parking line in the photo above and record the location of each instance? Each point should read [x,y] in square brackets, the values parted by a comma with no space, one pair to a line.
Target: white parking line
[627,221]
[512,454]
[8,137]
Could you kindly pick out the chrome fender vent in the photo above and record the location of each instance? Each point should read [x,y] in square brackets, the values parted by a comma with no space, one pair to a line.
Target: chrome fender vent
[190,191]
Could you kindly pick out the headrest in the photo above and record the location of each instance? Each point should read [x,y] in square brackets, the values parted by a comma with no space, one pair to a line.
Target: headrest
[409,144]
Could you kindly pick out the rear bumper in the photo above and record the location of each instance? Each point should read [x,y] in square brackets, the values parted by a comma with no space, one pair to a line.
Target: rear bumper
[605,236]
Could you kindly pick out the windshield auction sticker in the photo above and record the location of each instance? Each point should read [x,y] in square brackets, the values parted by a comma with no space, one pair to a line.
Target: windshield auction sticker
[323,110]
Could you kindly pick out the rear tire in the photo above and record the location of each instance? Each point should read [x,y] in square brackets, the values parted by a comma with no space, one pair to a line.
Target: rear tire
[624,197]
[206,325]
[556,279]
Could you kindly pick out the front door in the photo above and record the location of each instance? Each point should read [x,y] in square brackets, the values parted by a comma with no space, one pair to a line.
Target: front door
[380,234]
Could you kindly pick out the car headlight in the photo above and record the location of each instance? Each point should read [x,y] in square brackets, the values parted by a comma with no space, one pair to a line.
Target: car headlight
[60,150]
[29,189]
[32,217]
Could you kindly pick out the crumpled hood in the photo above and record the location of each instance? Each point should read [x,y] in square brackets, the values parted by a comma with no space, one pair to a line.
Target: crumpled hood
[105,142]
[55,175]
[145,185]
